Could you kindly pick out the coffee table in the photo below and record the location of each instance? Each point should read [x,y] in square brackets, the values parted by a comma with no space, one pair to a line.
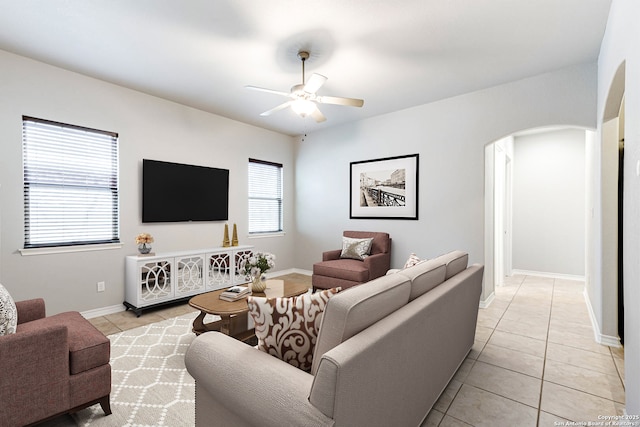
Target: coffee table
[234,314]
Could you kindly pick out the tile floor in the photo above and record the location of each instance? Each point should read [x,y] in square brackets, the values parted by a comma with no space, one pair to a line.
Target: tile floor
[534,362]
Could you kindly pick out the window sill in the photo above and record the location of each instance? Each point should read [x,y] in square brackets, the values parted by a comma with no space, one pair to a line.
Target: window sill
[69,249]
[262,235]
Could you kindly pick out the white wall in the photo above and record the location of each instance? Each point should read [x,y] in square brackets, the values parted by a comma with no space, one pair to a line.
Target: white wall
[620,48]
[549,203]
[450,136]
[148,127]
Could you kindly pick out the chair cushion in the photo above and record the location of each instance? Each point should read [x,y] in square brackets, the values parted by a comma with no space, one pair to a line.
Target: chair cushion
[348,269]
[287,328]
[88,347]
[356,248]
[8,313]
[381,241]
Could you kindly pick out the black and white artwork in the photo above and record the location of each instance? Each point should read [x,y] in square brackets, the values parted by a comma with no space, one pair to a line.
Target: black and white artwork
[385,188]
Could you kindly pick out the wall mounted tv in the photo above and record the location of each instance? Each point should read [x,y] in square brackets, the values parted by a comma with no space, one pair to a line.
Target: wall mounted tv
[174,192]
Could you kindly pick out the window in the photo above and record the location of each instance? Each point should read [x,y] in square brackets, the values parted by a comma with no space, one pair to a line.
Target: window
[265,197]
[70,185]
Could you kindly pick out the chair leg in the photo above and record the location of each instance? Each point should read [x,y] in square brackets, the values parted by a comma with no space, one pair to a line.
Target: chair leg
[105,404]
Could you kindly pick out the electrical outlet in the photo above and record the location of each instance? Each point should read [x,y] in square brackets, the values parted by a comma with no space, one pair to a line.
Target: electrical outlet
[101,286]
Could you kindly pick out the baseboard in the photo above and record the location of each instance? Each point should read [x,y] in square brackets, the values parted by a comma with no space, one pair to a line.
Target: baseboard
[515,272]
[97,312]
[600,338]
[487,302]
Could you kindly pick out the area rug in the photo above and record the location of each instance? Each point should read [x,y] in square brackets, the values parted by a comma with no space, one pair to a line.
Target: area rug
[150,385]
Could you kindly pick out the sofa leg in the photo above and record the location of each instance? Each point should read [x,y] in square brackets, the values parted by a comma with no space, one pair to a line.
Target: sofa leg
[105,404]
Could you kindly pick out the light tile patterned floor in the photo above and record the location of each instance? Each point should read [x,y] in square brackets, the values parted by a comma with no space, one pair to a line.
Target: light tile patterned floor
[535,362]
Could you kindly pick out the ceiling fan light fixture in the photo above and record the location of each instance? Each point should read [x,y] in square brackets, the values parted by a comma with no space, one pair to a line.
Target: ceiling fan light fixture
[303,107]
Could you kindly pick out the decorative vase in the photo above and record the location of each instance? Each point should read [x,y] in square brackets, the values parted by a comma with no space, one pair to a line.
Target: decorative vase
[257,284]
[225,240]
[143,248]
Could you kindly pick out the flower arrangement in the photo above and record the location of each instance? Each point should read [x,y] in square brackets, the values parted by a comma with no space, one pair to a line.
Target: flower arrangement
[258,263]
[144,238]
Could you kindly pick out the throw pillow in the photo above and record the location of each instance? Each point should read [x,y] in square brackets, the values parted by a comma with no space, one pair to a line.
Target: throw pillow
[413,260]
[356,248]
[8,313]
[287,328]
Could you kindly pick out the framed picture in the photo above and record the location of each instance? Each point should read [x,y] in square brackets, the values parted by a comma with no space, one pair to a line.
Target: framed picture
[384,188]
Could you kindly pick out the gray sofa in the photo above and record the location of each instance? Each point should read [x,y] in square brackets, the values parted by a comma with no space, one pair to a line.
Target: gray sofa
[385,352]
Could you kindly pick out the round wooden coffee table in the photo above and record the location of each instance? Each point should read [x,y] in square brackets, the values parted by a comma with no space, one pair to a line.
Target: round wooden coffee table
[234,314]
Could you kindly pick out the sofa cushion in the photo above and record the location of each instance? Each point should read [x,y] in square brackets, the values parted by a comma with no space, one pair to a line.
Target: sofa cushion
[357,308]
[456,262]
[287,328]
[347,269]
[356,248]
[8,313]
[424,276]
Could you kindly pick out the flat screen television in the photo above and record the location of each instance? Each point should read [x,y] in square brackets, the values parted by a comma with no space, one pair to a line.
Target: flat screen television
[174,192]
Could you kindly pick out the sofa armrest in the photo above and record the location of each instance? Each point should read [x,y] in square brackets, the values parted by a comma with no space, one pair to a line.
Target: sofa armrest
[252,385]
[378,264]
[331,255]
[30,310]
[35,364]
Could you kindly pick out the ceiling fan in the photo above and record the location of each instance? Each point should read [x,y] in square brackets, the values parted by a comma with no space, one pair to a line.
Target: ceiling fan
[303,97]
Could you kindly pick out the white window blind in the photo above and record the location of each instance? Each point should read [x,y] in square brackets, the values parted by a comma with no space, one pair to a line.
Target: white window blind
[70,184]
[265,197]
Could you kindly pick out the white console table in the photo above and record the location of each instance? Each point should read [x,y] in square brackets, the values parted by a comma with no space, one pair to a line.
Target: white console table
[153,280]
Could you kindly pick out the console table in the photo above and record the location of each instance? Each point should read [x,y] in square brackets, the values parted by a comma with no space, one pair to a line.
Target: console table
[163,278]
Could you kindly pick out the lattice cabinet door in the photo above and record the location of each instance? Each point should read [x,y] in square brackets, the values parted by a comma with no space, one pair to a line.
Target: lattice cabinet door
[155,283]
[190,275]
[220,270]
[240,256]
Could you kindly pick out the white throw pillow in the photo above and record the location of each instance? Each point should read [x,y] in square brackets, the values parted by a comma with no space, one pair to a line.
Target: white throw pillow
[356,248]
[8,313]
[413,260]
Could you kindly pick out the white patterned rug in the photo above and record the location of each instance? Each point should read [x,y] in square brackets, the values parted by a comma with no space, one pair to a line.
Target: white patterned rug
[150,385]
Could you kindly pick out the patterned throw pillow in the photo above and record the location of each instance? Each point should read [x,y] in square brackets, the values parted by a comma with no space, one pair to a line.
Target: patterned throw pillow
[356,248]
[413,260]
[8,313]
[287,328]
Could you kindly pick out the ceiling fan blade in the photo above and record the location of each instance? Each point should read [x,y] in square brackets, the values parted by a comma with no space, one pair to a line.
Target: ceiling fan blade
[318,116]
[278,108]
[261,89]
[351,102]
[315,82]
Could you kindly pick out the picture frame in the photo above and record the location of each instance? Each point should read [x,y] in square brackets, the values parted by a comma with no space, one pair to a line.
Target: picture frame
[385,188]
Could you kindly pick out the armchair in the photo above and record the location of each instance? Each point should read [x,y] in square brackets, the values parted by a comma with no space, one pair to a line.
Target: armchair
[52,366]
[334,271]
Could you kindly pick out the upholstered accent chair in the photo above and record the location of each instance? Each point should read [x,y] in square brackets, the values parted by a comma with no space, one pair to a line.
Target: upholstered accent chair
[335,271]
[51,366]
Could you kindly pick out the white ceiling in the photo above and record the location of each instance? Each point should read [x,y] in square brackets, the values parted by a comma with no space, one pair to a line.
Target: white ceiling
[394,54]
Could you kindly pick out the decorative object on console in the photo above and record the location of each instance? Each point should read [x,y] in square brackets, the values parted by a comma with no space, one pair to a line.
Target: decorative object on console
[225,239]
[234,238]
[384,188]
[280,322]
[143,240]
[255,266]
